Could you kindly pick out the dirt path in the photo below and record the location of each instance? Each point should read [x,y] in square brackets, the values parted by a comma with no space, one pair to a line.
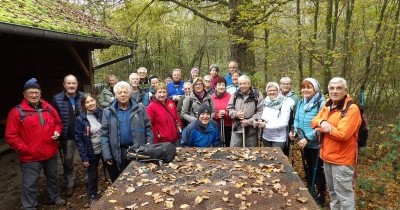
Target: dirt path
[10,179]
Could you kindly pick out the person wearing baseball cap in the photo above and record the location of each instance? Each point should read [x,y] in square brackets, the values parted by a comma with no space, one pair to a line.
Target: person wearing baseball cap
[203,132]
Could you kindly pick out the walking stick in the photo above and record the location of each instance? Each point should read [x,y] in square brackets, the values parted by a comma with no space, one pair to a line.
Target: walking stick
[311,188]
[260,132]
[244,137]
[222,130]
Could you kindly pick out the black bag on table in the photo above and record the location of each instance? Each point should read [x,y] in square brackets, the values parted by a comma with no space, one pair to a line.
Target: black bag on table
[153,152]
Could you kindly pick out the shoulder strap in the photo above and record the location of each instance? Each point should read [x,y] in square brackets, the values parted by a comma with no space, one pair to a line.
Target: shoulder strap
[21,112]
[344,112]
[190,105]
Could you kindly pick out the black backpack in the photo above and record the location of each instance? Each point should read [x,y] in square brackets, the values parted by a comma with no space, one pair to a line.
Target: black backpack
[152,152]
[363,130]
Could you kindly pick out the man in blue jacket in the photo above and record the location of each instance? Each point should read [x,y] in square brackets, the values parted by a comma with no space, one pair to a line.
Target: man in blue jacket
[202,132]
[68,106]
[124,123]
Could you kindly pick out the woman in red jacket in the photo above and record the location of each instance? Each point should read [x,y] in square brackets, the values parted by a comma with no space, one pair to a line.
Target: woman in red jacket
[221,99]
[166,124]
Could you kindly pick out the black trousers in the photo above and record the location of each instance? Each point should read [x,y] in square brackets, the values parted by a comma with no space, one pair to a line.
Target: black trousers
[311,156]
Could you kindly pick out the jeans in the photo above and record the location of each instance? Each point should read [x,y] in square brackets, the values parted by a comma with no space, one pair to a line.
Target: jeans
[30,177]
[339,180]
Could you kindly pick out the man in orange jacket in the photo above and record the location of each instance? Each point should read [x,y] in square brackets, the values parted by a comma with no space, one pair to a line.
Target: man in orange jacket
[338,148]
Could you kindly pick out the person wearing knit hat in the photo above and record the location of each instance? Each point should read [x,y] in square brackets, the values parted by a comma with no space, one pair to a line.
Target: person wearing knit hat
[308,108]
[194,72]
[168,77]
[32,83]
[33,128]
[202,132]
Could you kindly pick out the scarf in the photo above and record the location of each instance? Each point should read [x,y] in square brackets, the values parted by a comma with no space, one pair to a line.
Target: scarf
[309,104]
[275,103]
[200,96]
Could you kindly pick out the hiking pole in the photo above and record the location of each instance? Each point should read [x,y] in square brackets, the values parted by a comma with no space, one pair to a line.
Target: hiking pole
[244,137]
[300,135]
[260,132]
[222,129]
[292,148]
[311,188]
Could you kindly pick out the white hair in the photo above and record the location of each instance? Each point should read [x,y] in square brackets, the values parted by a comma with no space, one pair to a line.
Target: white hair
[141,68]
[272,84]
[122,85]
[338,80]
[133,74]
[285,80]
[245,78]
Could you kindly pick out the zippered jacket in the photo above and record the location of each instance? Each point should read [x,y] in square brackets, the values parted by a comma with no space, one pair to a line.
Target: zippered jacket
[195,135]
[340,145]
[110,138]
[164,120]
[31,135]
[83,137]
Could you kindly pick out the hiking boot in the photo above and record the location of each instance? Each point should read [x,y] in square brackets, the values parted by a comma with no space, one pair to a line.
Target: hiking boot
[92,201]
[60,202]
[321,200]
[69,191]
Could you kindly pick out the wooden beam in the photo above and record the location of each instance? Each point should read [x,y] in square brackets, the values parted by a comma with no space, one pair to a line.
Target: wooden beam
[77,58]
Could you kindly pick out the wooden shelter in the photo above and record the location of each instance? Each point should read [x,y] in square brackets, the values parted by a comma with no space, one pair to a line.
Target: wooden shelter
[48,39]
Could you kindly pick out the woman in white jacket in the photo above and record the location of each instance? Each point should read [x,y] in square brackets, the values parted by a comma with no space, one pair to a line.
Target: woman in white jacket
[275,117]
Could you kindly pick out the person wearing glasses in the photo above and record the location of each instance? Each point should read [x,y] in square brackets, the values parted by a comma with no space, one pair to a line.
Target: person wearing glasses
[197,97]
[144,83]
[291,97]
[33,129]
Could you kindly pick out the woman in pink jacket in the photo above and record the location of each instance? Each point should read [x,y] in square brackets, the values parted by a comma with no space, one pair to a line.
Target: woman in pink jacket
[221,99]
[166,124]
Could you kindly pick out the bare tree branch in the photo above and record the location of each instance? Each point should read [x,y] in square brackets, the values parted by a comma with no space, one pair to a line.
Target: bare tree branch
[198,13]
[140,14]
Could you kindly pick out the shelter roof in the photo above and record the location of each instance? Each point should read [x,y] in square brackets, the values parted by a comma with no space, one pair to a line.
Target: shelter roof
[56,19]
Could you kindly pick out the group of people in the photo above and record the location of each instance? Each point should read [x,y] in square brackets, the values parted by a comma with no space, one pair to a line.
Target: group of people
[189,114]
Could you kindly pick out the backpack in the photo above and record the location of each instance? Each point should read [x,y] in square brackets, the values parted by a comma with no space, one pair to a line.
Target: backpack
[165,151]
[23,114]
[363,130]
[256,95]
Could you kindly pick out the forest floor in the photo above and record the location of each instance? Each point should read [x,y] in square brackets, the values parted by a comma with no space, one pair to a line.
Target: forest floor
[374,190]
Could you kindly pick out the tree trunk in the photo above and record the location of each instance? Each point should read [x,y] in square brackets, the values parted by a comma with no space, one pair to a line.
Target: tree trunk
[368,65]
[299,43]
[266,43]
[313,41]
[328,51]
[349,13]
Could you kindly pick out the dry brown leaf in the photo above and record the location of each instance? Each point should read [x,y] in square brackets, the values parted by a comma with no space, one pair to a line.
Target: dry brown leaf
[225,199]
[184,206]
[240,196]
[173,166]
[112,201]
[144,204]
[133,206]
[169,204]
[220,183]
[302,199]
[226,192]
[198,200]
[130,189]
[149,193]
